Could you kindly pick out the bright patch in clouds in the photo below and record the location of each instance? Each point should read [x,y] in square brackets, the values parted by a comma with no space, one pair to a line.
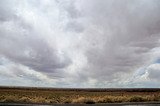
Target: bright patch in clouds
[80,43]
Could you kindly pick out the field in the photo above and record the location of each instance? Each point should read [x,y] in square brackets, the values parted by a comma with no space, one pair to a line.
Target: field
[88,96]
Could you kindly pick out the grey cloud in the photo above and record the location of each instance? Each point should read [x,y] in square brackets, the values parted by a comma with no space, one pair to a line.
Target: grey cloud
[154,71]
[70,8]
[114,39]
[6,12]
[129,31]
[23,45]
[73,15]
[154,74]
[32,52]
[74,27]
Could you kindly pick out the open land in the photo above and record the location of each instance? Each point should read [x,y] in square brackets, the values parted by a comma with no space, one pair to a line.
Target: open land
[80,96]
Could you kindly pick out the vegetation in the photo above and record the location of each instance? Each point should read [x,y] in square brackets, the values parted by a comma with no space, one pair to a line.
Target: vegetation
[51,96]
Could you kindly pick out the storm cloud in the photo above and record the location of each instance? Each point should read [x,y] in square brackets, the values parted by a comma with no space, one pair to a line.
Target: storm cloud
[82,43]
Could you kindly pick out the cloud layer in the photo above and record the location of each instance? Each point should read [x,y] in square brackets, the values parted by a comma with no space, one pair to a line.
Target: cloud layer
[82,43]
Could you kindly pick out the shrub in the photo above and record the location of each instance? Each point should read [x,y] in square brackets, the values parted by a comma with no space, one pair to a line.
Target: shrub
[106,99]
[119,99]
[67,101]
[137,99]
[156,98]
[50,101]
[89,101]
[83,100]
[10,99]
[39,100]
[24,100]
[2,98]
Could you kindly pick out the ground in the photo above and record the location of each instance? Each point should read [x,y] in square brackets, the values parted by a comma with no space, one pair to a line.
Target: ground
[88,96]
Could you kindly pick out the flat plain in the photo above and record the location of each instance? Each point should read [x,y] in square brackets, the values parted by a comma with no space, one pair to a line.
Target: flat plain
[78,96]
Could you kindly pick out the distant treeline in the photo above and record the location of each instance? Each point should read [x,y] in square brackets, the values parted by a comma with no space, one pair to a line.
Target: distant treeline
[83,89]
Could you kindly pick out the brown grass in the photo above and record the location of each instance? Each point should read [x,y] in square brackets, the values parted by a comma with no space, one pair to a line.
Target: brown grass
[62,96]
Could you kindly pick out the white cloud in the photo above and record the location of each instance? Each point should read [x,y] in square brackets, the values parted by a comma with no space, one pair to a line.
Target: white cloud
[82,43]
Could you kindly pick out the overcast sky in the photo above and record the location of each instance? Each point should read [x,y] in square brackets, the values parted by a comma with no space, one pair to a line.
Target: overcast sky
[80,43]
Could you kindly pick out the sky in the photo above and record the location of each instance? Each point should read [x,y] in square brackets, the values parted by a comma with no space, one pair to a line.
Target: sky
[80,43]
